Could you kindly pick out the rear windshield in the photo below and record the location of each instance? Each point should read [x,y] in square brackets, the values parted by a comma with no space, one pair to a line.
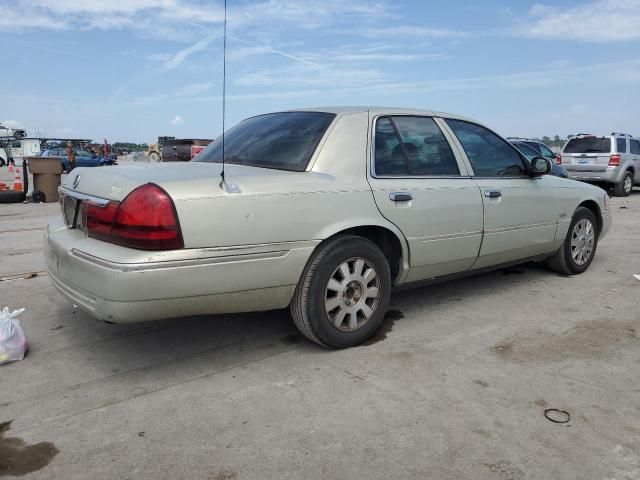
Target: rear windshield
[588,145]
[284,141]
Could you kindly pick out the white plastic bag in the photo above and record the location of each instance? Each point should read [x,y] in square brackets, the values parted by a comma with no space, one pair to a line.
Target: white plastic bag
[13,342]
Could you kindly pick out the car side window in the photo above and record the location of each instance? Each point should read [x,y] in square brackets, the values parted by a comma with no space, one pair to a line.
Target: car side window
[546,151]
[621,145]
[425,147]
[635,147]
[408,145]
[489,155]
[389,159]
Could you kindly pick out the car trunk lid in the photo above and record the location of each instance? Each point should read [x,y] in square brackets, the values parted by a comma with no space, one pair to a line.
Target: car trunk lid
[185,181]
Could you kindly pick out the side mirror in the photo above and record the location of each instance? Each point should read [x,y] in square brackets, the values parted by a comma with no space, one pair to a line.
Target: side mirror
[540,166]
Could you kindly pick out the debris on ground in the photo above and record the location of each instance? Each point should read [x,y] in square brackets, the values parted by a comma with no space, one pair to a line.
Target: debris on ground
[13,341]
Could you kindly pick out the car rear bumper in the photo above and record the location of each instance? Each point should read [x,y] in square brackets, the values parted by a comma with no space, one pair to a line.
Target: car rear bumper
[613,175]
[226,280]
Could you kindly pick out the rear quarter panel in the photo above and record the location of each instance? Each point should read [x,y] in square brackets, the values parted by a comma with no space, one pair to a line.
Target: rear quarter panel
[331,196]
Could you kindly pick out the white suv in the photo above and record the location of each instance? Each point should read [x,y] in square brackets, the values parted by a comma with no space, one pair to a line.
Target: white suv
[612,159]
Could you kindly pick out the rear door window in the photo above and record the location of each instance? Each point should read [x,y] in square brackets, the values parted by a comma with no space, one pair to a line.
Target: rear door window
[413,145]
[389,159]
[489,155]
[588,145]
[621,145]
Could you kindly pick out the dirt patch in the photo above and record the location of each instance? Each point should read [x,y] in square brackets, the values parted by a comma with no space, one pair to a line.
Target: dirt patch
[223,475]
[386,326]
[505,470]
[18,459]
[585,340]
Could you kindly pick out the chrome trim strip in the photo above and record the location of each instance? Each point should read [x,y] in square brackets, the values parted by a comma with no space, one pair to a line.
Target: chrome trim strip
[520,227]
[448,236]
[140,267]
[82,196]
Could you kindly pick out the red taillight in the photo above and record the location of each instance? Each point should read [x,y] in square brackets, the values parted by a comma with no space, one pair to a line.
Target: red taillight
[98,219]
[614,160]
[558,159]
[146,219]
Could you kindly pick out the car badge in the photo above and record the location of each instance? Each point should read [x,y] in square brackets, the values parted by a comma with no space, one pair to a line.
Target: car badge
[76,181]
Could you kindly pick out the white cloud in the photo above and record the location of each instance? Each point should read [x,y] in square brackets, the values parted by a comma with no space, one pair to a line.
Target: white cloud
[181,55]
[177,120]
[12,124]
[159,57]
[409,31]
[597,21]
[193,89]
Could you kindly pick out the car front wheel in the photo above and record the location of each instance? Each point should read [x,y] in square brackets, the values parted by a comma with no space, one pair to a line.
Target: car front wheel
[579,247]
[343,294]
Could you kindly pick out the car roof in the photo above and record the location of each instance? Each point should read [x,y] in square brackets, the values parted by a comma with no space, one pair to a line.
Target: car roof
[375,111]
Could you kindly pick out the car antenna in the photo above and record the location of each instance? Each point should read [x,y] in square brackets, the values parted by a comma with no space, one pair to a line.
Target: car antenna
[230,188]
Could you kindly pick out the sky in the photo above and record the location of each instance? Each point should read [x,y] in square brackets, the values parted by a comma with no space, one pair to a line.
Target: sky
[131,70]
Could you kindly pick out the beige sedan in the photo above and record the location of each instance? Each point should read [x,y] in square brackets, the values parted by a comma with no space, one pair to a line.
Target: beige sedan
[324,211]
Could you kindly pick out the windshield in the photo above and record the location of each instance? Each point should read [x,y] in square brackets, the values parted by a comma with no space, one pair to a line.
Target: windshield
[284,141]
[588,145]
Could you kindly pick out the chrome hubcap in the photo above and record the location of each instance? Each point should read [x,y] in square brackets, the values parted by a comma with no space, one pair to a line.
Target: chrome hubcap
[582,241]
[352,294]
[628,183]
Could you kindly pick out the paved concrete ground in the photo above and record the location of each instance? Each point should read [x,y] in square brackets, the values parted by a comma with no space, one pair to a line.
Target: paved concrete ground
[457,389]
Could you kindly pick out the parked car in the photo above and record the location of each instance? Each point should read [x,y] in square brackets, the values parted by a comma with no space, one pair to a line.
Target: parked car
[531,152]
[610,160]
[83,158]
[182,149]
[324,211]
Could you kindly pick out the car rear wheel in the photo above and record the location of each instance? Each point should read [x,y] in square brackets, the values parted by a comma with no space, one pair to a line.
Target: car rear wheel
[579,247]
[623,189]
[343,294]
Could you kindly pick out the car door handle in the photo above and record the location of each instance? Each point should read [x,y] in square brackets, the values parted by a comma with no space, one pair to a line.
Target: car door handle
[400,196]
[492,193]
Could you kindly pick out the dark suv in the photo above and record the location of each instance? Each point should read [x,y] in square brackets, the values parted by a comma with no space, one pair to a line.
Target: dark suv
[534,148]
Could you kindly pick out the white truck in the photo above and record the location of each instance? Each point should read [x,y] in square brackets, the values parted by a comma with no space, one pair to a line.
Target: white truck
[17,149]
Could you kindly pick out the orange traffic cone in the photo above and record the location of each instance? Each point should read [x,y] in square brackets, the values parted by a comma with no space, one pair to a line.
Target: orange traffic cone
[17,182]
[10,168]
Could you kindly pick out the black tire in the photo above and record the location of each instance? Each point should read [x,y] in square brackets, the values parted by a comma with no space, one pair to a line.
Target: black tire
[623,189]
[562,261]
[2,162]
[308,304]
[38,197]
